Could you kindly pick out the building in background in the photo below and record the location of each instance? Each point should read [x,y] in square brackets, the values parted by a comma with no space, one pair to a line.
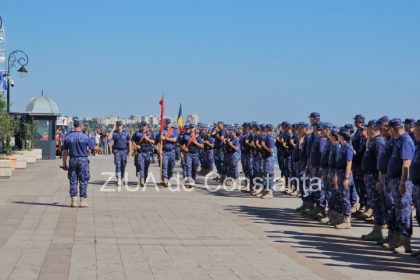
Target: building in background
[193,119]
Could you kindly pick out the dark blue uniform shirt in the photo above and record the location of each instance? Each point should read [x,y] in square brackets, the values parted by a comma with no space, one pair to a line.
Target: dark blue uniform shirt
[303,152]
[145,145]
[219,144]
[77,144]
[415,166]
[167,146]
[269,142]
[359,144]
[318,146]
[345,154]
[235,142]
[386,155]
[371,156]
[402,150]
[325,155]
[245,149]
[332,161]
[288,137]
[278,144]
[296,152]
[192,148]
[211,140]
[121,140]
[309,140]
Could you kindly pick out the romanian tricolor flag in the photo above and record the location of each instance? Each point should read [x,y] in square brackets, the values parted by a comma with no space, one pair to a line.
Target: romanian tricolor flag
[180,121]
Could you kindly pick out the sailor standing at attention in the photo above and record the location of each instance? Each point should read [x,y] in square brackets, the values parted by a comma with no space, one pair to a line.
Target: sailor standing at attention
[122,146]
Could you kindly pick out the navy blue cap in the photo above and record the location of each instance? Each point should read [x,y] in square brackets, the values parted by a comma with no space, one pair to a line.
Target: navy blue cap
[396,123]
[269,127]
[326,125]
[306,125]
[372,123]
[383,120]
[410,122]
[418,123]
[185,126]
[118,123]
[359,117]
[348,126]
[335,131]
[314,115]
[318,125]
[167,121]
[191,126]
[345,132]
[286,124]
[77,121]
[143,123]
[220,122]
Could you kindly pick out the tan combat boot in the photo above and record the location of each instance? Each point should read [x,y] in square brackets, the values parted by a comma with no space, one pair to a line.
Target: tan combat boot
[165,182]
[368,214]
[327,219]
[268,195]
[394,241]
[354,209]
[375,235]
[246,189]
[318,214]
[262,193]
[404,245]
[385,242]
[333,218]
[371,219]
[359,213]
[257,191]
[83,203]
[309,209]
[345,224]
[73,203]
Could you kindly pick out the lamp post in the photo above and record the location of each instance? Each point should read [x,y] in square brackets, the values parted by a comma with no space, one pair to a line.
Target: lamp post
[16,58]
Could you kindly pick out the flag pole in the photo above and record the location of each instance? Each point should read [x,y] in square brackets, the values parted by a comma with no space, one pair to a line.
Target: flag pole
[161,140]
[161,158]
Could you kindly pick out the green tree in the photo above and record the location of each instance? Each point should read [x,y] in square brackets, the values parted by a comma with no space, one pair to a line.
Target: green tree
[2,103]
[7,130]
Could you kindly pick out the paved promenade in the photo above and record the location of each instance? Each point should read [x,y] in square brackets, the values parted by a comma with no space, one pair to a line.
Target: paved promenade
[173,235]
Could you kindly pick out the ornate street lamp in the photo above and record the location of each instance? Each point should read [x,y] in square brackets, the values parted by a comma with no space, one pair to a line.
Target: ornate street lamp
[16,58]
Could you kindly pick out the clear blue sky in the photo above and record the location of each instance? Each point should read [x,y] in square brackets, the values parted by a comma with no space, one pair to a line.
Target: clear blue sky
[236,60]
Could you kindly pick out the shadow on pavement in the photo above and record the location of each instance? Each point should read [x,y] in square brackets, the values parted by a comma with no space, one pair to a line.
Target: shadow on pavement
[54,204]
[342,251]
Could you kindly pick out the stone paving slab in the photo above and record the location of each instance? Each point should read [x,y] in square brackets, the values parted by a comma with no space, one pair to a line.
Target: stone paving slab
[159,234]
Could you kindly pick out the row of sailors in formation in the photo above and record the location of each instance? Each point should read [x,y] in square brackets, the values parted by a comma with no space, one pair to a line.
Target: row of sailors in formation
[369,170]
